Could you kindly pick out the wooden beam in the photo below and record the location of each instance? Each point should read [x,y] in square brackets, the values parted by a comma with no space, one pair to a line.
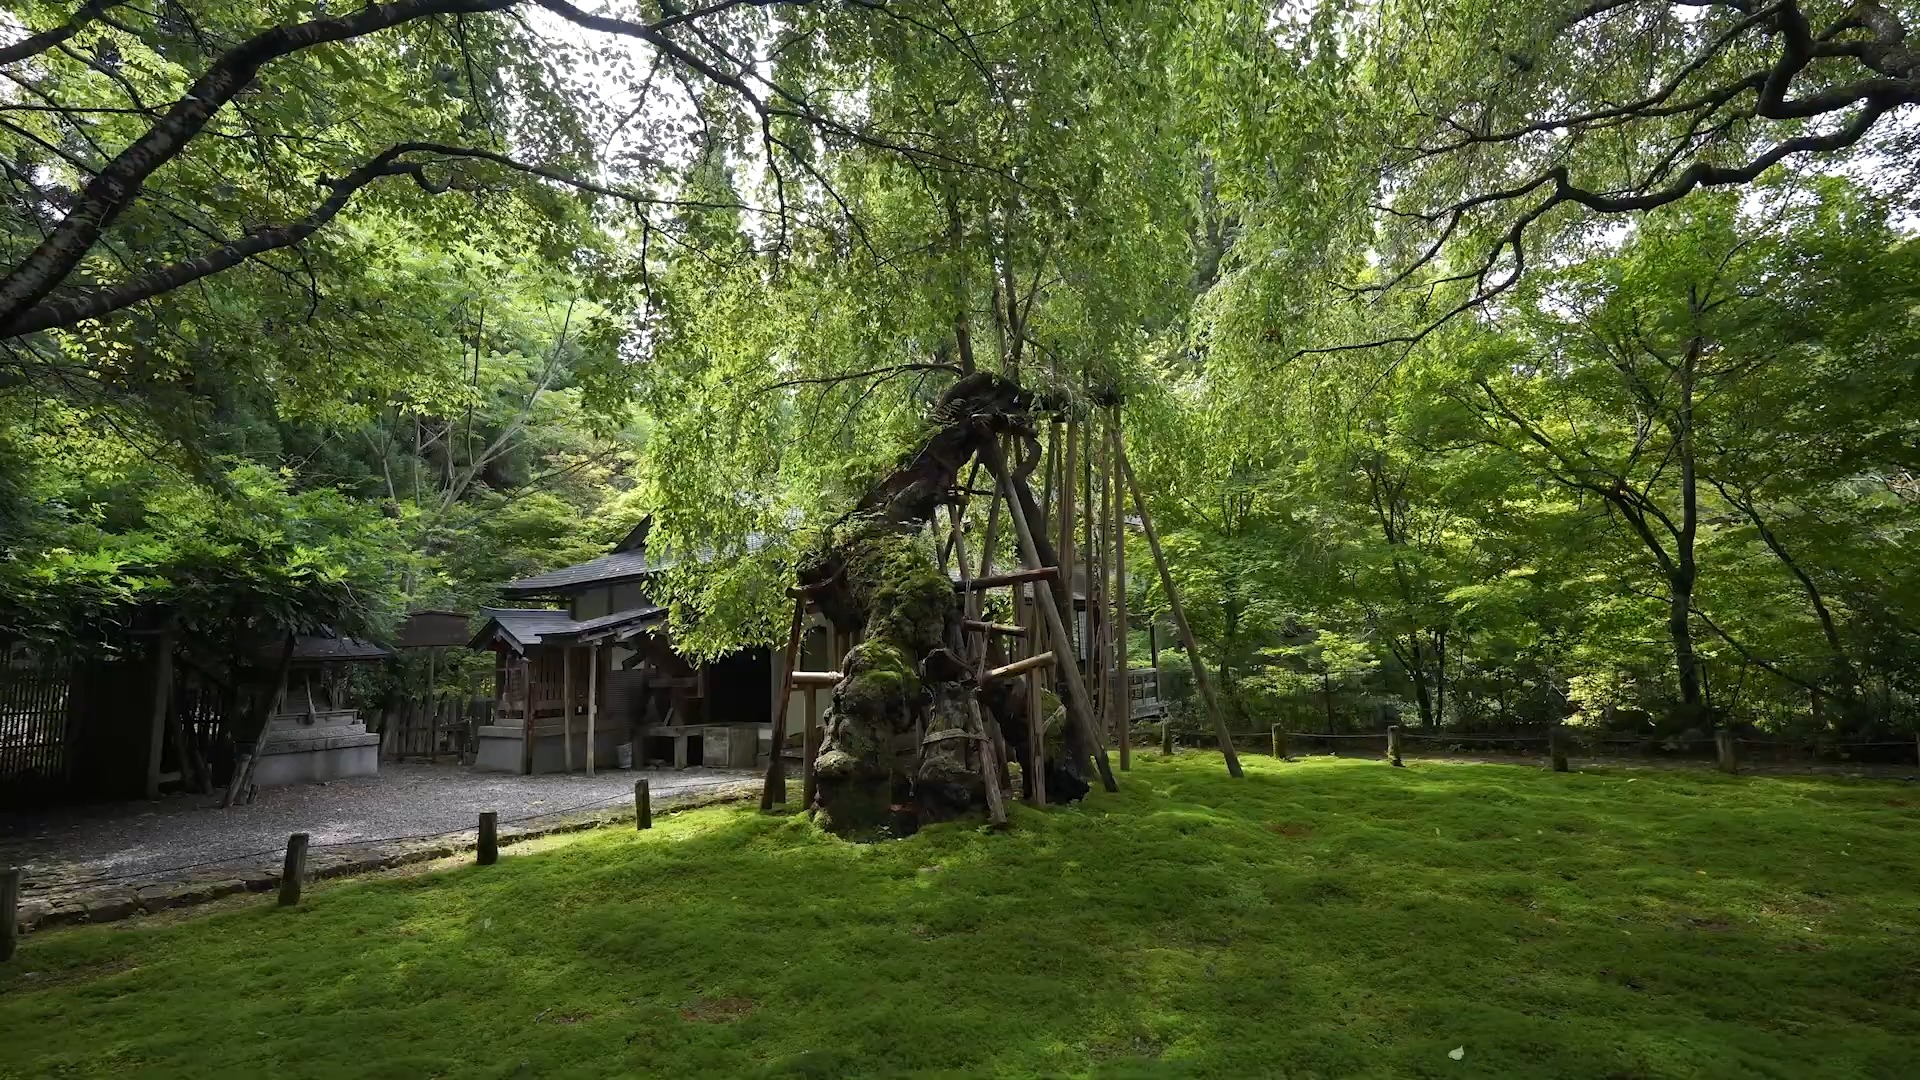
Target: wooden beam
[774,790]
[813,680]
[1019,667]
[994,628]
[1200,675]
[1000,581]
[1076,688]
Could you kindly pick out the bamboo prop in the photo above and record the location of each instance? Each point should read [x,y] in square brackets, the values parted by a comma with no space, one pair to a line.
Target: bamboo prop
[1200,675]
[1046,492]
[1068,485]
[1036,737]
[775,788]
[1120,623]
[1089,561]
[996,581]
[1017,667]
[975,600]
[1002,629]
[1076,688]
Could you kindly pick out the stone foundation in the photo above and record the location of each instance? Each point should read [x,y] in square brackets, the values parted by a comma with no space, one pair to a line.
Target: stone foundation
[305,748]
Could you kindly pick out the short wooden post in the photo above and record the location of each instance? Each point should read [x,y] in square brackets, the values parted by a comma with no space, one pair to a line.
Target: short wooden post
[488,851]
[293,872]
[1166,738]
[1557,747]
[642,805]
[9,913]
[1393,746]
[1723,751]
[1280,741]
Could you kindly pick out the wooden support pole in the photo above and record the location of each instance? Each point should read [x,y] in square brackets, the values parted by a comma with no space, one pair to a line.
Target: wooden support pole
[486,850]
[1079,707]
[566,702]
[1000,581]
[9,912]
[1166,738]
[1036,721]
[1200,676]
[593,701]
[1723,751]
[1121,624]
[1557,747]
[1069,487]
[1002,629]
[642,805]
[162,688]
[1393,746]
[810,741]
[1280,741]
[774,790]
[813,680]
[1019,667]
[293,870]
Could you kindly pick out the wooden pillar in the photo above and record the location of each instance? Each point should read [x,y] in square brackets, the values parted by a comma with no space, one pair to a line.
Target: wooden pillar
[1079,707]
[566,702]
[1393,746]
[433,713]
[1120,621]
[1166,737]
[593,701]
[1200,676]
[642,805]
[526,714]
[162,695]
[774,790]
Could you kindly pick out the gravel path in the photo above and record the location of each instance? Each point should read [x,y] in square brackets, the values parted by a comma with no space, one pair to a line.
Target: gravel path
[407,799]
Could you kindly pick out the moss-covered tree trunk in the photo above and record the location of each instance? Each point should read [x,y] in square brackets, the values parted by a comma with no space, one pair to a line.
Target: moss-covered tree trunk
[905,728]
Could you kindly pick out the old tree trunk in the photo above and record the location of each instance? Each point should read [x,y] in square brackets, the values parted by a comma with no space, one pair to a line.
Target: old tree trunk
[905,730]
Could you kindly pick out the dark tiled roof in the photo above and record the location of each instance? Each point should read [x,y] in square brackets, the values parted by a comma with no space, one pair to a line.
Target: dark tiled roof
[317,649]
[605,570]
[536,626]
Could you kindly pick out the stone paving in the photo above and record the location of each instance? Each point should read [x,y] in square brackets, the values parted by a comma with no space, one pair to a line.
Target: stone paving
[100,863]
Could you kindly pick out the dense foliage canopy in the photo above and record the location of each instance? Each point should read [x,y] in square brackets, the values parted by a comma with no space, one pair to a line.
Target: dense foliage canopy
[1485,361]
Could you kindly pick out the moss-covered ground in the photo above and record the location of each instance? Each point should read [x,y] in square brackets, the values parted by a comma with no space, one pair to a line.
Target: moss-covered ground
[1322,918]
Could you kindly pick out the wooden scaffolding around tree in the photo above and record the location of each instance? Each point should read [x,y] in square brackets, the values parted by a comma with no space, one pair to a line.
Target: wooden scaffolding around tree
[1057,636]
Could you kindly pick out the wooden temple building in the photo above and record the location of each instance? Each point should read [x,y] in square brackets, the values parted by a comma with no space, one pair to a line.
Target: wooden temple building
[591,680]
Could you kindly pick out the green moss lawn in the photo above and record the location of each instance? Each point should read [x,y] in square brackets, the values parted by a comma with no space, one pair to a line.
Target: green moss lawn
[1325,918]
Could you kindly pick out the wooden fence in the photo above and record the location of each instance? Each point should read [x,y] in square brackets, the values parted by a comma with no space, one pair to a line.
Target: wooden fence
[36,747]
[443,728]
